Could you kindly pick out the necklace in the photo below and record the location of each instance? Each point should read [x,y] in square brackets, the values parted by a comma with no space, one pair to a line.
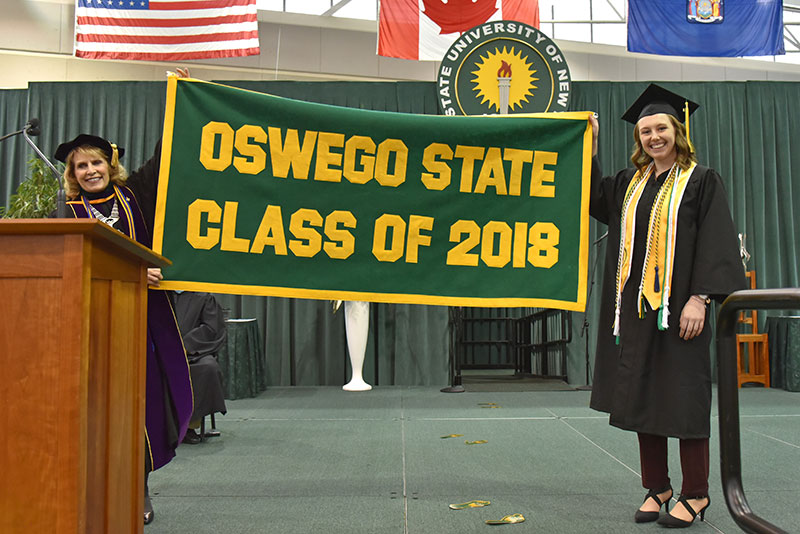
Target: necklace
[111,219]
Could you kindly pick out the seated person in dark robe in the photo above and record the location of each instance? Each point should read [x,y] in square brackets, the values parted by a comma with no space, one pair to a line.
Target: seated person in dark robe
[202,328]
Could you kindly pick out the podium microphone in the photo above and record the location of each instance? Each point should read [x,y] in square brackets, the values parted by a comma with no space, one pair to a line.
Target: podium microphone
[32,128]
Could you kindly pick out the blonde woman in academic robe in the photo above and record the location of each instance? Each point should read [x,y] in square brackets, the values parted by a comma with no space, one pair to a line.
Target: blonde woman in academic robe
[99,187]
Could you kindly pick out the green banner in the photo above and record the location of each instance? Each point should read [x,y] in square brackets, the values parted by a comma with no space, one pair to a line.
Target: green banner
[263,195]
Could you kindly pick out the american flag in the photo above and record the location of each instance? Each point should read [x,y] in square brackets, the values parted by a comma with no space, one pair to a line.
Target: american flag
[165,30]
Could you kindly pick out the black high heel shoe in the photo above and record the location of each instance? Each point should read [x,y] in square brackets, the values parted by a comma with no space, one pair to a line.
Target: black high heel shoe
[648,517]
[670,521]
[148,505]
[148,511]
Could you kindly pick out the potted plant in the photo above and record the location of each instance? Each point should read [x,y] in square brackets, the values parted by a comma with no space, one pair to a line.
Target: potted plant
[35,197]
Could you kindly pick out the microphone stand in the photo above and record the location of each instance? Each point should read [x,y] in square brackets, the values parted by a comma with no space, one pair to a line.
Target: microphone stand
[12,134]
[585,326]
[455,335]
[61,196]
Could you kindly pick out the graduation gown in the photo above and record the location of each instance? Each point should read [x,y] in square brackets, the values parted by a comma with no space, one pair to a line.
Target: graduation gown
[653,381]
[202,327]
[169,404]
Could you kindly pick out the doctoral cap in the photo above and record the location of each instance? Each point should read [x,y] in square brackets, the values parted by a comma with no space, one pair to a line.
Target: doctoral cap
[655,99]
[64,149]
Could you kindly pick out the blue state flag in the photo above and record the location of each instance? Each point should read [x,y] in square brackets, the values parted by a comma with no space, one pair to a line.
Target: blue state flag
[708,28]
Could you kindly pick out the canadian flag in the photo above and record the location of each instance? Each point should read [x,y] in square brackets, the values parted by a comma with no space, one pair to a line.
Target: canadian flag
[425,29]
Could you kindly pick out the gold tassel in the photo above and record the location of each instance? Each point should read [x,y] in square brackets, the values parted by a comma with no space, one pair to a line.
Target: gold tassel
[115,155]
[686,121]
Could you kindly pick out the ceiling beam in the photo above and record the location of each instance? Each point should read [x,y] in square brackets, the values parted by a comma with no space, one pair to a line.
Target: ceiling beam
[336,7]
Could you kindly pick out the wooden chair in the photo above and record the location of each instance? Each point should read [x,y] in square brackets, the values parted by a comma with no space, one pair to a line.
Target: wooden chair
[755,367]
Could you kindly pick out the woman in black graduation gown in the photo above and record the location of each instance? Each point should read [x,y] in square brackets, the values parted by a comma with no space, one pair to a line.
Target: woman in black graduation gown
[98,187]
[652,366]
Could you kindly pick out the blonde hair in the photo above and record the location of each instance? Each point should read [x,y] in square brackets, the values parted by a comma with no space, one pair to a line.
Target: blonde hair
[116,172]
[685,153]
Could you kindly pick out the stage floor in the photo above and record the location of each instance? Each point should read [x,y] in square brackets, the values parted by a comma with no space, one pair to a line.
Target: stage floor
[306,460]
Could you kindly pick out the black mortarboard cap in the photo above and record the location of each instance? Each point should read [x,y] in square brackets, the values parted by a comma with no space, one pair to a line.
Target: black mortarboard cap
[655,99]
[64,149]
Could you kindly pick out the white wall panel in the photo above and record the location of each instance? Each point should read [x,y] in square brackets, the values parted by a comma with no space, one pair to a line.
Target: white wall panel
[36,45]
[348,53]
[702,73]
[647,69]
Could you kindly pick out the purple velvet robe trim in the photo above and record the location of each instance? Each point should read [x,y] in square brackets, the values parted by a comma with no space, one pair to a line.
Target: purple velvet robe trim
[167,366]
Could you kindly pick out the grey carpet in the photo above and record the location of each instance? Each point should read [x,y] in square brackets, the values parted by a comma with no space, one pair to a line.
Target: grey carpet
[500,383]
[308,460]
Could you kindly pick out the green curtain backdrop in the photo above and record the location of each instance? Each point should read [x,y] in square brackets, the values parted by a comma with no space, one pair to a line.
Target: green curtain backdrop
[402,97]
[129,114]
[769,193]
[742,129]
[14,151]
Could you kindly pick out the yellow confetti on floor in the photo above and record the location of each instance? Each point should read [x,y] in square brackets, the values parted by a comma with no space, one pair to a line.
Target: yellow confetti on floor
[513,518]
[469,504]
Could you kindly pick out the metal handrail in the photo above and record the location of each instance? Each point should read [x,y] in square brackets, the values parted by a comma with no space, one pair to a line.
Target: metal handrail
[728,393]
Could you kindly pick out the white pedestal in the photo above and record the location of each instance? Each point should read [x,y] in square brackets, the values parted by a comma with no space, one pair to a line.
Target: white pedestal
[356,324]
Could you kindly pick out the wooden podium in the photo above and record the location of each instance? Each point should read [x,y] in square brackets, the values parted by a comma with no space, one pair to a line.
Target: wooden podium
[72,389]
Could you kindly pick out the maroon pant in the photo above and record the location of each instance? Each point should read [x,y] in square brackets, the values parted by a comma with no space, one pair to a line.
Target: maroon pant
[694,464]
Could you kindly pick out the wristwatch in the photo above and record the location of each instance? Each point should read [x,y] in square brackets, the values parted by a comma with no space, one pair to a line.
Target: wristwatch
[705,299]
